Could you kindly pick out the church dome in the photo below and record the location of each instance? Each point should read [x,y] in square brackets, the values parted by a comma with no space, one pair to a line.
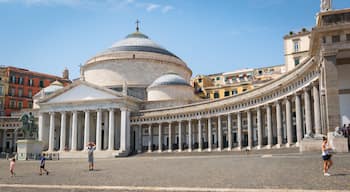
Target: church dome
[135,60]
[137,41]
[169,79]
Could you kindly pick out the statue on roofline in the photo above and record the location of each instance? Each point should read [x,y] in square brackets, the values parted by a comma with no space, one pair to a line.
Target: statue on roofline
[326,5]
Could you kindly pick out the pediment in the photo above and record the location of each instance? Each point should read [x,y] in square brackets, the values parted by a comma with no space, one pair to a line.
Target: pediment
[81,92]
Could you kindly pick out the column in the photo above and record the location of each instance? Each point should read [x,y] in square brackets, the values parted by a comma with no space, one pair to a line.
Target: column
[124,130]
[317,112]
[150,138]
[111,130]
[219,134]
[74,130]
[239,130]
[209,135]
[200,145]
[86,129]
[63,131]
[52,131]
[140,139]
[105,130]
[289,123]
[170,140]
[180,136]
[250,129]
[298,114]
[4,137]
[189,136]
[279,124]
[160,139]
[307,112]
[41,126]
[259,126]
[229,131]
[269,127]
[98,129]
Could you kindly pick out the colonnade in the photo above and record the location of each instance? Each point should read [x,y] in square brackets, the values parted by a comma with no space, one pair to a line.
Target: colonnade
[282,122]
[71,131]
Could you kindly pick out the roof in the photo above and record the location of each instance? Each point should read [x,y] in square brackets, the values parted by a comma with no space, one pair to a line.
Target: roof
[169,79]
[137,41]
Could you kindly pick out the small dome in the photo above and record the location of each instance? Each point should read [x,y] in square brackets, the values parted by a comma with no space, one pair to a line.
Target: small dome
[54,86]
[169,79]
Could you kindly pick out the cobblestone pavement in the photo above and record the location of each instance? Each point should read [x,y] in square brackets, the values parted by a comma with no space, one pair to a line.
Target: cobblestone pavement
[218,171]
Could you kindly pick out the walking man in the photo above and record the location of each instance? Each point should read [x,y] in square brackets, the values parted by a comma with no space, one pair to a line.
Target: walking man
[42,165]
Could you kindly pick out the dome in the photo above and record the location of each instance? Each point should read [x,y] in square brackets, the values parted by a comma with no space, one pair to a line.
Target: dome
[137,41]
[169,79]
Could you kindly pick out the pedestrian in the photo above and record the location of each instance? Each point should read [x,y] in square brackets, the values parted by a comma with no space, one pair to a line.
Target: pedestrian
[12,167]
[326,156]
[42,165]
[91,147]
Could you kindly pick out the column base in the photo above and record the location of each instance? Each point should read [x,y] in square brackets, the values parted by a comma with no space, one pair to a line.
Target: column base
[259,147]
[170,150]
[268,146]
[199,150]
[288,145]
[278,146]
[149,151]
[179,150]
[209,149]
[189,150]
[159,151]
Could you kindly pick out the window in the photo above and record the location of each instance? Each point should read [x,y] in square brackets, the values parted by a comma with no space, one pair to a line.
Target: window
[199,80]
[335,38]
[30,82]
[216,95]
[244,89]
[20,104]
[348,37]
[12,92]
[324,40]
[30,93]
[296,45]
[217,78]
[30,105]
[41,83]
[227,93]
[234,92]
[20,80]
[296,61]
[13,79]
[20,92]
[1,92]
[12,104]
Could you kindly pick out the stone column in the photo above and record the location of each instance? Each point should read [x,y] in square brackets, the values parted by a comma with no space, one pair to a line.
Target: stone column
[124,130]
[150,138]
[239,130]
[105,130]
[317,111]
[111,130]
[298,114]
[250,129]
[63,131]
[52,131]
[74,130]
[180,136]
[160,138]
[98,129]
[41,126]
[259,126]
[209,135]
[308,122]
[229,131]
[170,140]
[200,147]
[269,126]
[86,129]
[140,139]
[279,124]
[219,134]
[189,136]
[289,122]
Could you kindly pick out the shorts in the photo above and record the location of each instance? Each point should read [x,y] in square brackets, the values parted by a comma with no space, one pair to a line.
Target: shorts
[326,157]
[42,166]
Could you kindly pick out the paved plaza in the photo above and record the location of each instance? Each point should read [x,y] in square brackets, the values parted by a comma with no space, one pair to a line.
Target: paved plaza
[225,171]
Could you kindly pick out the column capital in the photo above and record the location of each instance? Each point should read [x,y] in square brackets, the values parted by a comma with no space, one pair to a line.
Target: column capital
[63,112]
[124,109]
[52,113]
[307,88]
[315,83]
[297,93]
[111,109]
[267,105]
[87,111]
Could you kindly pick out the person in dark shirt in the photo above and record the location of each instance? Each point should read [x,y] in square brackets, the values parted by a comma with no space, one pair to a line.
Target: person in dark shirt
[42,165]
[90,148]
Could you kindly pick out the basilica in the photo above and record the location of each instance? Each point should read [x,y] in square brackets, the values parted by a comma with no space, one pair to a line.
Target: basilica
[136,97]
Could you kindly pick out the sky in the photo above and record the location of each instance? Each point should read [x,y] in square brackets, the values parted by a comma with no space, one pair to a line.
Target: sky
[211,36]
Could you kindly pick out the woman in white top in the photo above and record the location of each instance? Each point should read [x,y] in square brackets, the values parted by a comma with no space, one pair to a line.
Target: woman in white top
[327,162]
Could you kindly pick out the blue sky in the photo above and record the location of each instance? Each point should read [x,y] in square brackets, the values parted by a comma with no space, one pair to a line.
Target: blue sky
[211,36]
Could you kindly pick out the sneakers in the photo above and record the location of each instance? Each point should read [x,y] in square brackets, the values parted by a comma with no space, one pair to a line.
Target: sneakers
[326,174]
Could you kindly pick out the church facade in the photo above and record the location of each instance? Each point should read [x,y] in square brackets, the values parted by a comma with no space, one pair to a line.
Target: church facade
[136,97]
